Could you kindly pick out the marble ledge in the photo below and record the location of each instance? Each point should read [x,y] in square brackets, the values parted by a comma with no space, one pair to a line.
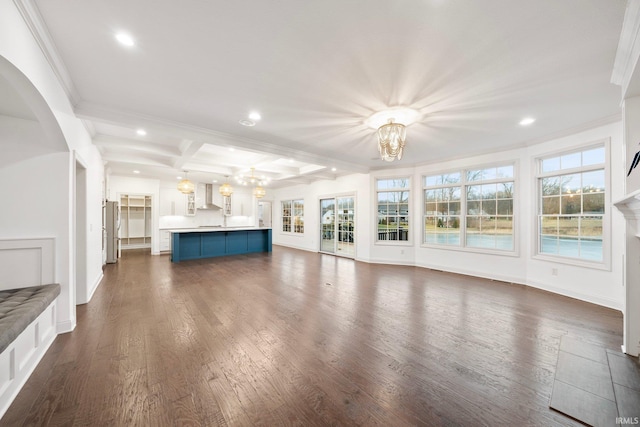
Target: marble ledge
[214,229]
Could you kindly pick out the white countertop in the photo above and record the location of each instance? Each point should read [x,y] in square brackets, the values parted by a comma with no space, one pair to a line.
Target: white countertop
[214,229]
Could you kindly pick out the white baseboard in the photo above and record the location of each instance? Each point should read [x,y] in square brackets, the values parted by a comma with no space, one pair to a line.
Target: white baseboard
[605,302]
[96,283]
[94,287]
[66,326]
[498,277]
[294,247]
[388,262]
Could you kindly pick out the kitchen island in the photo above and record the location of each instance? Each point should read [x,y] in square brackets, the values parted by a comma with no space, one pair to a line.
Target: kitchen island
[209,242]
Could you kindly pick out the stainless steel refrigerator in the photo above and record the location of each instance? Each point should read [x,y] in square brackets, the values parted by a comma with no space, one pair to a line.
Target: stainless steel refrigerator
[112,226]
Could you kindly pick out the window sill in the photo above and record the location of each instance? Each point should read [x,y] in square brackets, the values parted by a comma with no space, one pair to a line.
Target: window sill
[484,251]
[394,243]
[596,265]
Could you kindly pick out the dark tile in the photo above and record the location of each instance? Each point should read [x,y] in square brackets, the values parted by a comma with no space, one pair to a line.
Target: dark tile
[582,405]
[628,401]
[585,374]
[581,348]
[625,370]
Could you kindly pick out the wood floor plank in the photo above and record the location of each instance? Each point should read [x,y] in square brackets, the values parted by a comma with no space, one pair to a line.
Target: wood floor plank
[300,338]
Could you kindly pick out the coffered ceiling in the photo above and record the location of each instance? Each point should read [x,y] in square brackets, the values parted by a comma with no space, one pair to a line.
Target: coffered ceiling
[316,70]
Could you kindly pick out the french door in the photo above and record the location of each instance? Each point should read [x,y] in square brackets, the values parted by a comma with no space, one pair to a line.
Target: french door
[337,226]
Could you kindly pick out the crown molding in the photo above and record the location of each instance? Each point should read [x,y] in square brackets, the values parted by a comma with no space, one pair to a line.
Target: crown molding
[614,118]
[628,50]
[89,127]
[32,17]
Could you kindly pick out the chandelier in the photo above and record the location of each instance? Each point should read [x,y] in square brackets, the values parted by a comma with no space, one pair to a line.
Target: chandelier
[185,186]
[258,191]
[391,140]
[225,189]
[391,129]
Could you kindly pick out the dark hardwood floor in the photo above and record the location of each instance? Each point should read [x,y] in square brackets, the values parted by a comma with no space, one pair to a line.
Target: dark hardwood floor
[299,338]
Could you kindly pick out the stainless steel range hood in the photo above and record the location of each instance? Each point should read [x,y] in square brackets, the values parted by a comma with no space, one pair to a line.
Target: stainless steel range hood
[208,199]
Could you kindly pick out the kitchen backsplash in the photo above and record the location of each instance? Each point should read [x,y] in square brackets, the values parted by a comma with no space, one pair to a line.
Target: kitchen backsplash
[203,218]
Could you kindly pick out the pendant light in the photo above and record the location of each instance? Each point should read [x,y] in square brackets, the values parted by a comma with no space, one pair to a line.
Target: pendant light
[185,186]
[225,189]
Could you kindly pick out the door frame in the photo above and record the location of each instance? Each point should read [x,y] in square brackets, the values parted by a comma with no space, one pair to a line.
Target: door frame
[335,197]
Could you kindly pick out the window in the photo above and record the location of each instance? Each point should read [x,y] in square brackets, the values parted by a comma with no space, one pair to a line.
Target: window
[471,208]
[489,215]
[293,216]
[442,209]
[571,204]
[393,209]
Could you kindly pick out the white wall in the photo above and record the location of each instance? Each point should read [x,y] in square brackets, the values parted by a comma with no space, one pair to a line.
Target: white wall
[631,112]
[357,184]
[603,287]
[50,178]
[33,209]
[595,285]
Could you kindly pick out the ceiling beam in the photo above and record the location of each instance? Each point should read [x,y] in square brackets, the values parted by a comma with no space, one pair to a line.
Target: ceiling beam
[188,148]
[112,116]
[123,144]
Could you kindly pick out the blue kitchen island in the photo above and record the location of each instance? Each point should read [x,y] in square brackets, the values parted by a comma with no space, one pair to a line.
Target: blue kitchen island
[198,243]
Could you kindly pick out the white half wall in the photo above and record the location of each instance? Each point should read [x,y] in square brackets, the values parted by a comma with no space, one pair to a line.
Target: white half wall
[27,262]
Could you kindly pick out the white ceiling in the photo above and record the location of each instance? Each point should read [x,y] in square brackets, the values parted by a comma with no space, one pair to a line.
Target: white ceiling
[316,70]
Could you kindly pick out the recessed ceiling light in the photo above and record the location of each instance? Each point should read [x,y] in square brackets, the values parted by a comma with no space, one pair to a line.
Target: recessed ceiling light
[214,180]
[178,177]
[125,39]
[290,160]
[136,171]
[141,132]
[255,115]
[333,169]
[249,123]
[527,121]
[232,149]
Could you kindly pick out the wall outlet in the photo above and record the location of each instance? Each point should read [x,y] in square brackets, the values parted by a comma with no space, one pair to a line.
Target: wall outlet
[554,271]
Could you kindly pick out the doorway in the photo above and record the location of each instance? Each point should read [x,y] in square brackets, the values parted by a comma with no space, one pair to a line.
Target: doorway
[80,231]
[337,226]
[264,214]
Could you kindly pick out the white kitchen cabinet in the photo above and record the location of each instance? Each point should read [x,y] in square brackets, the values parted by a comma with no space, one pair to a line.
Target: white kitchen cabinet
[165,241]
[200,194]
[226,206]
[190,207]
[241,204]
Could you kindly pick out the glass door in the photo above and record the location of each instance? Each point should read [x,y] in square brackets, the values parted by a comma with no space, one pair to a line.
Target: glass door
[346,225]
[337,226]
[327,225]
